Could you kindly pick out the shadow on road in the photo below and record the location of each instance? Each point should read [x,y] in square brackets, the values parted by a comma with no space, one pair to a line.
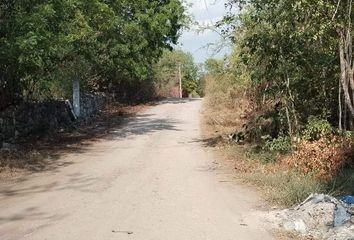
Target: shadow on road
[179,100]
[144,124]
[16,192]
[210,141]
[44,153]
[30,214]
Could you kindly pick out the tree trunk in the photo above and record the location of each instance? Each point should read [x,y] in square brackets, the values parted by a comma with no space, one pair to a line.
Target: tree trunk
[289,121]
[346,79]
[340,125]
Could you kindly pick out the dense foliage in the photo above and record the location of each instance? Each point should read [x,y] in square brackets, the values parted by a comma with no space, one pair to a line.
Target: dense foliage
[292,64]
[107,44]
[296,59]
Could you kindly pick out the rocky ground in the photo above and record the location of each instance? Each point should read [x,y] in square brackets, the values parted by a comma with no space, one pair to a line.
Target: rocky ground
[318,217]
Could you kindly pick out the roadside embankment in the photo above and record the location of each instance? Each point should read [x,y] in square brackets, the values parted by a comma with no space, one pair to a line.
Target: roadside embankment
[286,170]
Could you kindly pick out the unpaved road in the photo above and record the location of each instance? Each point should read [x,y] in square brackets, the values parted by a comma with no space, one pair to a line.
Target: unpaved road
[153,180]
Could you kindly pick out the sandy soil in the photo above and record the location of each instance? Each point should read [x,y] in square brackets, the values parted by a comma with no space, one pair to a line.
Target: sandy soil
[151,179]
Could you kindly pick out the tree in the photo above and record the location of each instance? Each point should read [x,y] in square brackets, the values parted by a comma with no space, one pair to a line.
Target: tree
[166,72]
[343,22]
[108,44]
[289,52]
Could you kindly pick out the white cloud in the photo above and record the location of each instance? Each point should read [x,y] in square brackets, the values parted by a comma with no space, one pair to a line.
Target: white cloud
[206,13]
[199,6]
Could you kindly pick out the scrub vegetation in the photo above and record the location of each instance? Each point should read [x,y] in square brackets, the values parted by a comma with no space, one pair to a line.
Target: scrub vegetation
[284,97]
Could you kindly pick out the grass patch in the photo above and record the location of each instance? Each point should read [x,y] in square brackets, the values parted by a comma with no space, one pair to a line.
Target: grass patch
[285,188]
[224,106]
[260,155]
[282,235]
[343,184]
[283,185]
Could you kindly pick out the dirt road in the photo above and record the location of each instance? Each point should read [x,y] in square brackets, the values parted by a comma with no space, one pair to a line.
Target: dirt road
[152,180]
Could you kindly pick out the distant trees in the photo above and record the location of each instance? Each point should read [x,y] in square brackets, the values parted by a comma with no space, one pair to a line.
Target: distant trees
[45,44]
[166,73]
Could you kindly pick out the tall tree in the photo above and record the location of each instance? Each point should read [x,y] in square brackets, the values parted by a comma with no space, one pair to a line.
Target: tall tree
[290,51]
[105,43]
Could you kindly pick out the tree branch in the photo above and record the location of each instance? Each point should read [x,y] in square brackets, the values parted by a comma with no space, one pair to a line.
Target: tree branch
[335,13]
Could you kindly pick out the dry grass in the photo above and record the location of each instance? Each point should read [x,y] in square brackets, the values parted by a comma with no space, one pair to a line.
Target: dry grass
[282,235]
[280,185]
[224,110]
[283,183]
[224,106]
[285,188]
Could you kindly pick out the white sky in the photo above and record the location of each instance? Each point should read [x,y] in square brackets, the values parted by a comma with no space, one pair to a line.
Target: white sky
[205,12]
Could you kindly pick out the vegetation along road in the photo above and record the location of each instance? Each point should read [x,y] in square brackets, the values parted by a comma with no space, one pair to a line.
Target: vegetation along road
[152,180]
[85,153]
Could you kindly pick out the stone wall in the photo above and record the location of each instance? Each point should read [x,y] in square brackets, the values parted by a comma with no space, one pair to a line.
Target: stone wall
[37,118]
[92,104]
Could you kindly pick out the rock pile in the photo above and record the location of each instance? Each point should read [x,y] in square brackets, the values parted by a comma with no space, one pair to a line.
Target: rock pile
[319,216]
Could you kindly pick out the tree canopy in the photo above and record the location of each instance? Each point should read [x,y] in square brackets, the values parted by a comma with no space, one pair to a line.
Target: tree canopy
[296,57]
[44,44]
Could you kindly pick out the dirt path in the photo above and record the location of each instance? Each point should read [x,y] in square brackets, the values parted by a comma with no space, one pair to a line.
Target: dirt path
[152,181]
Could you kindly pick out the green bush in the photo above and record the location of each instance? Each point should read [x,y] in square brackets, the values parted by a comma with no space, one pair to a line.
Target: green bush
[282,144]
[317,128]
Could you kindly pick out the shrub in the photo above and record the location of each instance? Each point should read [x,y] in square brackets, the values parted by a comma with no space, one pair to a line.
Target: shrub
[323,158]
[317,128]
[282,145]
[261,123]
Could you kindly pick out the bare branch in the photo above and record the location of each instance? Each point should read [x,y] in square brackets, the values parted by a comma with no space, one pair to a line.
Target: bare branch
[335,13]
